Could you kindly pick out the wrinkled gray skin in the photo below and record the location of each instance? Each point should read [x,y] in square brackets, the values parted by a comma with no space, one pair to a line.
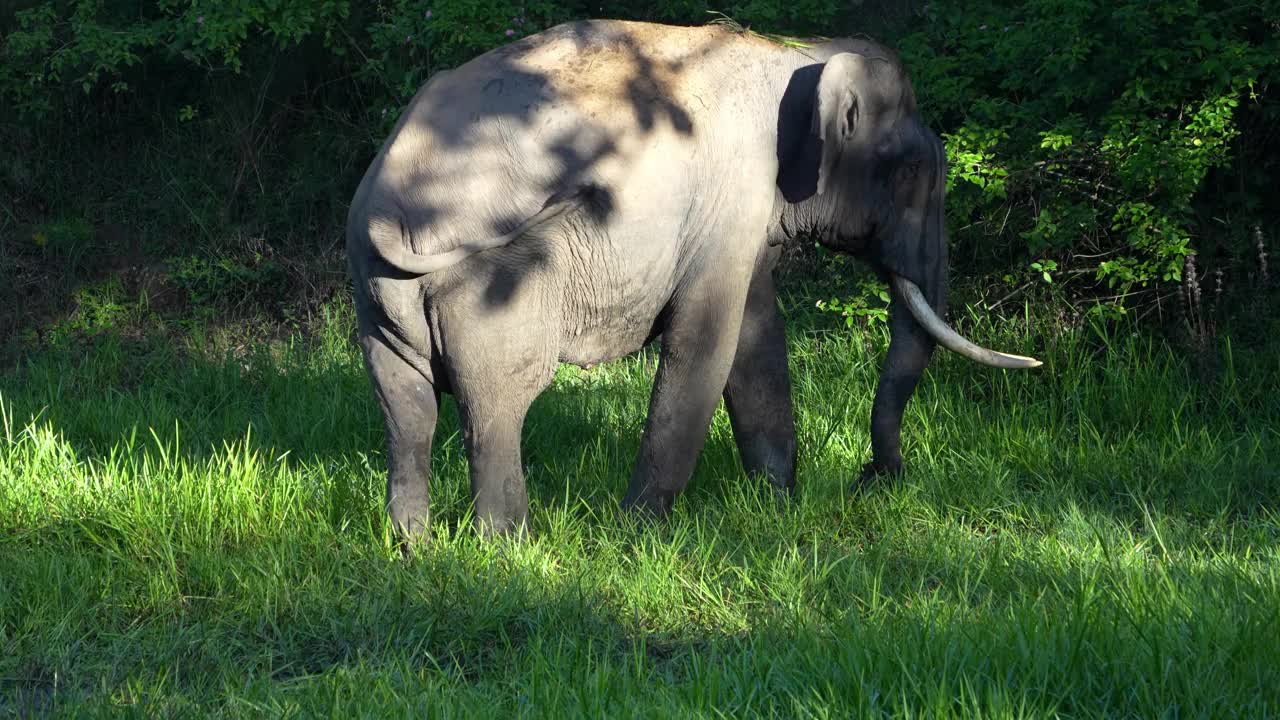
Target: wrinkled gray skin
[575,195]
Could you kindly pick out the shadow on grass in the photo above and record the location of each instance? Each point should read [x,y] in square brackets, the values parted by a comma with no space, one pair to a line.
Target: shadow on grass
[889,626]
[915,575]
[1071,436]
[312,403]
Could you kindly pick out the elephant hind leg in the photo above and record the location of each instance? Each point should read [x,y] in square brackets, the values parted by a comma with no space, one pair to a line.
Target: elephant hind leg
[492,404]
[758,393]
[410,407]
[492,434]
[500,361]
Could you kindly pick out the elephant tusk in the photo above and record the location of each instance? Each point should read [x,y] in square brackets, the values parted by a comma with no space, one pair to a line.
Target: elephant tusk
[949,338]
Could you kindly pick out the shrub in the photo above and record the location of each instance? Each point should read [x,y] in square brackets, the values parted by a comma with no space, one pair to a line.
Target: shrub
[1095,134]
[1092,145]
[224,282]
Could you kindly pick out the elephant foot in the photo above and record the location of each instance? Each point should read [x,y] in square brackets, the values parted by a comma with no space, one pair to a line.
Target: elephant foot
[410,544]
[875,473]
[514,529]
[412,528]
[782,491]
[648,503]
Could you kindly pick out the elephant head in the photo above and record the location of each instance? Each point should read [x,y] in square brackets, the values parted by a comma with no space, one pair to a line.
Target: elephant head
[865,176]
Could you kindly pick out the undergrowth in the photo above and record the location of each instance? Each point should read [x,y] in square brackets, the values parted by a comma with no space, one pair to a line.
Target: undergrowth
[196,526]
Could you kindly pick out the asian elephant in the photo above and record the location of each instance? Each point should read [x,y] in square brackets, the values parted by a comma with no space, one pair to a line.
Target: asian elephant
[576,194]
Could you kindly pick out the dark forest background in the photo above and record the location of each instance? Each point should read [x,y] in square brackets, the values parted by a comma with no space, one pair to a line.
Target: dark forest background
[1110,161]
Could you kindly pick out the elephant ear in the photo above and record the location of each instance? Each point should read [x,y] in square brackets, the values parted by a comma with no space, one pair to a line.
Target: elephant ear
[835,108]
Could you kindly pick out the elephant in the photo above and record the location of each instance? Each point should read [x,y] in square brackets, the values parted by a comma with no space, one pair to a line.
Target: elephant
[589,189]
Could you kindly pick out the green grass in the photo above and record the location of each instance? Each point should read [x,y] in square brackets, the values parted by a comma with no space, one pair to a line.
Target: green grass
[188,529]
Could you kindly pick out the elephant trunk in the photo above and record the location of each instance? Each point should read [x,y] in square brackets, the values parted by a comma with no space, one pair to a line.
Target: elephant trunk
[914,259]
[915,326]
[910,349]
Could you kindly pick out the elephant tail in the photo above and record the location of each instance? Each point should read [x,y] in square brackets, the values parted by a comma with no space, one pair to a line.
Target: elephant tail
[386,234]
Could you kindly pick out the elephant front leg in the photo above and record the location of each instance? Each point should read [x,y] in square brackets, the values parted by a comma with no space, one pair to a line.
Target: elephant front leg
[698,346]
[758,392]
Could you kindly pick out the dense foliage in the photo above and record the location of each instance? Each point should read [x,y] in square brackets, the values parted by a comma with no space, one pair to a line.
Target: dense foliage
[1100,145]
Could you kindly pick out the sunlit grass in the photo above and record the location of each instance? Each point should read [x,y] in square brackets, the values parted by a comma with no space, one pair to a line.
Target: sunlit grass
[184,530]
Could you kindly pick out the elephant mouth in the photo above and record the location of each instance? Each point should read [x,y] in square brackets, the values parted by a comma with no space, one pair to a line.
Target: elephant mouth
[950,339]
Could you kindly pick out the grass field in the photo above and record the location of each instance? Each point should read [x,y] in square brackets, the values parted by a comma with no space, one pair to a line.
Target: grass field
[186,529]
